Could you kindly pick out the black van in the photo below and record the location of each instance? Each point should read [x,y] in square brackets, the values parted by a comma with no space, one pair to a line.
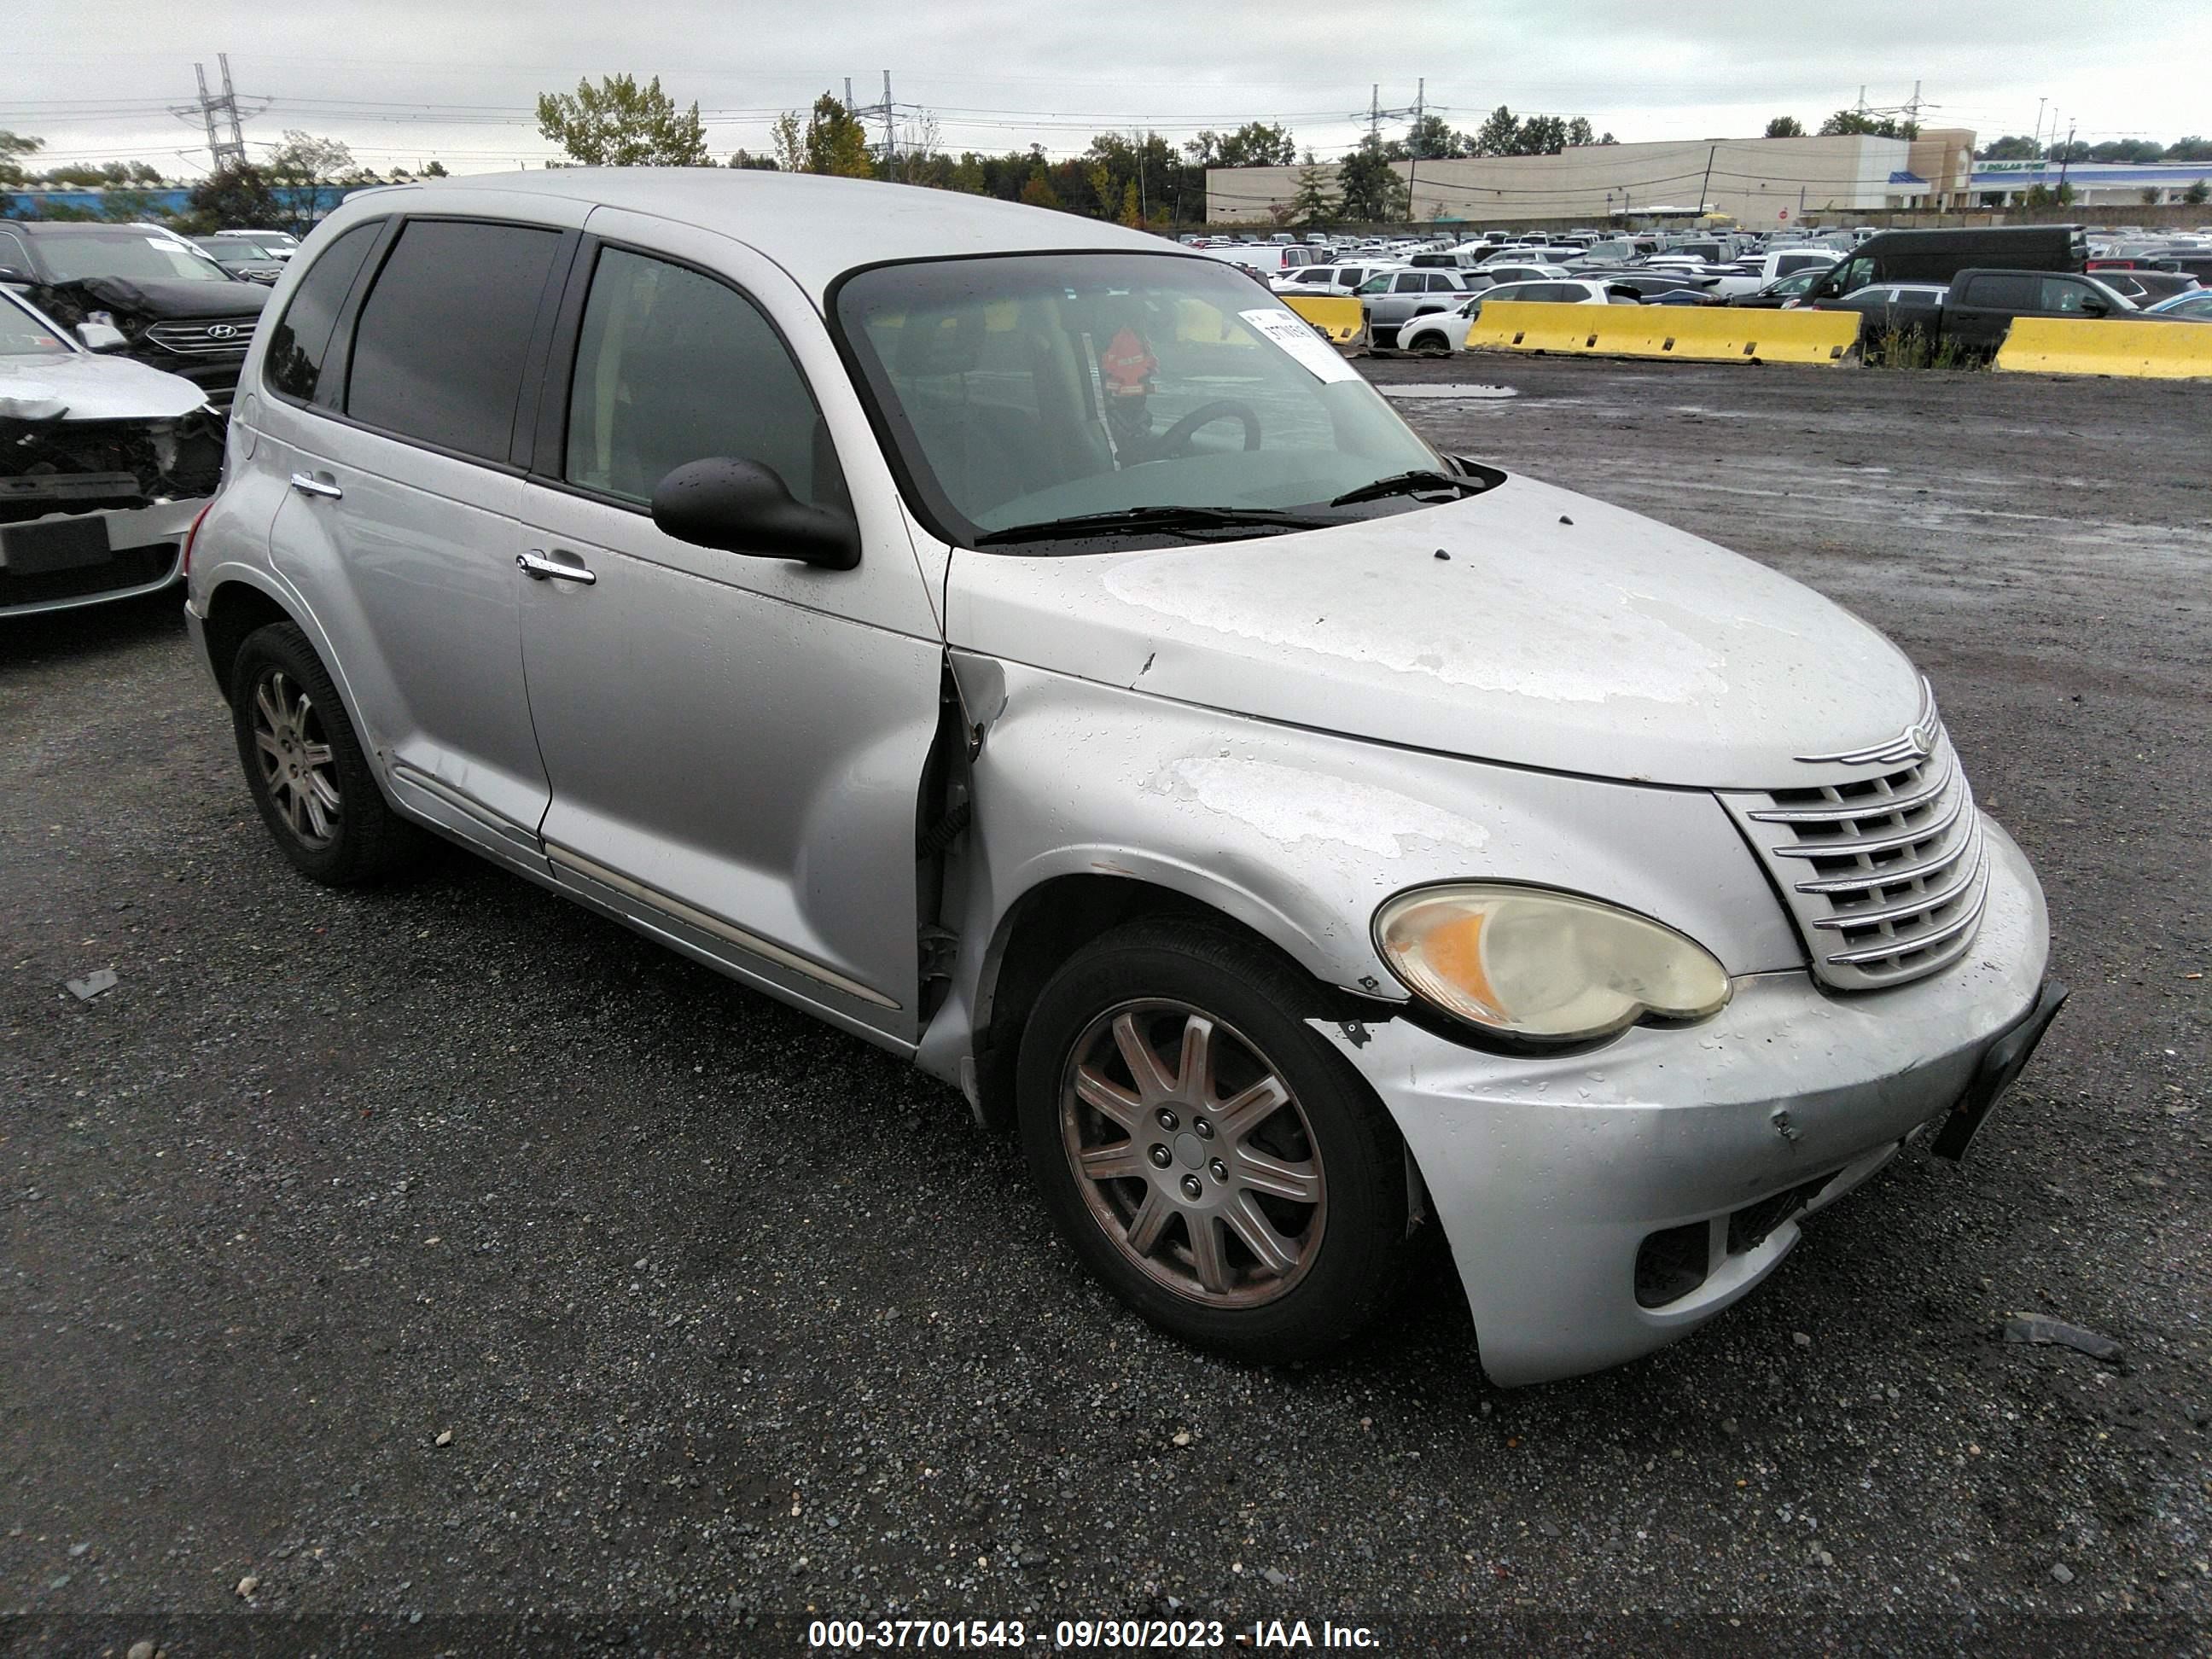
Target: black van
[1937,255]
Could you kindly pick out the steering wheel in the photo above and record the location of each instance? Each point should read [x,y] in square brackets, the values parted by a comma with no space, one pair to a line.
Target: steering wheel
[1177,439]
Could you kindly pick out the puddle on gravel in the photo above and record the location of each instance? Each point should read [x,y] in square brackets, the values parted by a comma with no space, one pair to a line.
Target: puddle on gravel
[1451,392]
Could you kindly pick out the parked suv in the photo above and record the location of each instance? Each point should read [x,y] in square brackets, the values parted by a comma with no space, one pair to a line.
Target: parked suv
[1979,308]
[1044,670]
[177,308]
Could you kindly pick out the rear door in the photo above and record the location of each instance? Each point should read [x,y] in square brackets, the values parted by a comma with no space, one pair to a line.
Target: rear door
[1982,304]
[735,744]
[398,526]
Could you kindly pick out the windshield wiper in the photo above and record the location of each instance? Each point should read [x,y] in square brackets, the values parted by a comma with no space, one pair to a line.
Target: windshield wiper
[1408,484]
[1146,520]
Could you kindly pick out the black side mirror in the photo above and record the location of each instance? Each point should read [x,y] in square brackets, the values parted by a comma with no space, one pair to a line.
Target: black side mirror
[742,506]
[2094,308]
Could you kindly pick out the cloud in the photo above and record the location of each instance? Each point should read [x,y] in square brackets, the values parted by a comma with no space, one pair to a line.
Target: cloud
[403,79]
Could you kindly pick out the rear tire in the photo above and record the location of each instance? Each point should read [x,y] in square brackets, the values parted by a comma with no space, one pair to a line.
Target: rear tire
[1207,1156]
[305,767]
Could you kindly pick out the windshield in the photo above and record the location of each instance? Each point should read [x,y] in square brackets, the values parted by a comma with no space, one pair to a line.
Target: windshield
[1026,390]
[22,335]
[141,256]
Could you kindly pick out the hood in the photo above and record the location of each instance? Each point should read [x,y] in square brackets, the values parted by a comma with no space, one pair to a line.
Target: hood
[1559,632]
[166,300]
[81,386]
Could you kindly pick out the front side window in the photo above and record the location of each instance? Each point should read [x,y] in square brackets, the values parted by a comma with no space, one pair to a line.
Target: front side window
[1026,390]
[1855,275]
[300,341]
[1376,285]
[673,367]
[439,353]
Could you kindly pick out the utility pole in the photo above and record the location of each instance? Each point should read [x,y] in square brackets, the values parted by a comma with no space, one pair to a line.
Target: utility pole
[1375,115]
[1709,153]
[1413,145]
[2066,156]
[2039,103]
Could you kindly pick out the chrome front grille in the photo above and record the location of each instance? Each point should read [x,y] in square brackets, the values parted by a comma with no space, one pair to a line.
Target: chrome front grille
[204,339]
[1883,876]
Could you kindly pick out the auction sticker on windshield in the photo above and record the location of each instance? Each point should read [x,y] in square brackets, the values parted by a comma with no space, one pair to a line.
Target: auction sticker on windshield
[1289,331]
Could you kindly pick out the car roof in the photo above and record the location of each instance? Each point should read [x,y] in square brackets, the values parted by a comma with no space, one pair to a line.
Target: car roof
[817,228]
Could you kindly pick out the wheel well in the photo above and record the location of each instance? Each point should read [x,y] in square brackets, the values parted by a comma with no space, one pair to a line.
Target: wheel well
[1050,923]
[234,611]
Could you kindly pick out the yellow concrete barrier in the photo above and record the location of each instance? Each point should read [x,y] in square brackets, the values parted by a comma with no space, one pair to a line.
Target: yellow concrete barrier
[2088,345]
[1703,333]
[1335,315]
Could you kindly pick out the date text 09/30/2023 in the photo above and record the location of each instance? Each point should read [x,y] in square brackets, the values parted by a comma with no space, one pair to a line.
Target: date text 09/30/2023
[1119,1634]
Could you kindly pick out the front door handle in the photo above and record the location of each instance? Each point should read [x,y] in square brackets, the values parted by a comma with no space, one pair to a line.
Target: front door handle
[307,484]
[535,565]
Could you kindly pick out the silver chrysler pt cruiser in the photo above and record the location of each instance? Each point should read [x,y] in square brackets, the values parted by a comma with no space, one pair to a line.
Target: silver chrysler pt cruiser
[1030,647]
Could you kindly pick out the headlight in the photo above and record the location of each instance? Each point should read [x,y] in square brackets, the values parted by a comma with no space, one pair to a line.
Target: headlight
[1528,963]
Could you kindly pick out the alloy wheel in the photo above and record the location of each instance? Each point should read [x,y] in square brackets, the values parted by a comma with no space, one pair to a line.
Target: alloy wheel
[1192,1154]
[297,766]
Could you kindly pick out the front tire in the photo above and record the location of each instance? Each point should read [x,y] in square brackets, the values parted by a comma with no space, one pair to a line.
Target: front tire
[305,767]
[1207,1155]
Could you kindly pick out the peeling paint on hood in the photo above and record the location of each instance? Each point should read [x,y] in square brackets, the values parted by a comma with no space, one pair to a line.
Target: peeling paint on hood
[1559,632]
[1291,803]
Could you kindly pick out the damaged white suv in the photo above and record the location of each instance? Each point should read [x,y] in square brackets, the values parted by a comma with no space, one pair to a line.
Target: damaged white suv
[104,464]
[1030,647]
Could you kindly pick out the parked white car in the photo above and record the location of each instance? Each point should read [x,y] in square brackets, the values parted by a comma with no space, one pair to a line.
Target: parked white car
[1063,670]
[104,465]
[1330,279]
[1440,334]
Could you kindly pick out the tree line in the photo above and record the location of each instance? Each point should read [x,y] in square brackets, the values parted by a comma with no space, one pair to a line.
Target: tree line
[1136,179]
[300,180]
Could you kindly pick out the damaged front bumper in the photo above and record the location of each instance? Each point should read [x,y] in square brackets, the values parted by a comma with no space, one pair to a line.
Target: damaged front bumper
[92,511]
[1601,1205]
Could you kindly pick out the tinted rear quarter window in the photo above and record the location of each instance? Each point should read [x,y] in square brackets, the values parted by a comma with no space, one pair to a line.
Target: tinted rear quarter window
[2002,291]
[444,337]
[301,338]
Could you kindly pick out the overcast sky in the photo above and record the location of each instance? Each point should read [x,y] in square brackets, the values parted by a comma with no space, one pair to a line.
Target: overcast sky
[403,81]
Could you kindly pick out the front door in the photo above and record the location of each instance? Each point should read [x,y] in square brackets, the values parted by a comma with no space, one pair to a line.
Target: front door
[735,744]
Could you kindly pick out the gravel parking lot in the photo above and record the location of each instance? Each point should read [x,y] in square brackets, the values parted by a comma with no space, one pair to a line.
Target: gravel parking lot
[443,1250]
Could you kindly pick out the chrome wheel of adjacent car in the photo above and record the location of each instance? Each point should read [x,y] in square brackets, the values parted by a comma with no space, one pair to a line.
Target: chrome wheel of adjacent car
[297,766]
[1193,1154]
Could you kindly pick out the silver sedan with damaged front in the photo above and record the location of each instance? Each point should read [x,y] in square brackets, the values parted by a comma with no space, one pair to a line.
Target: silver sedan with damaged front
[1031,649]
[104,464]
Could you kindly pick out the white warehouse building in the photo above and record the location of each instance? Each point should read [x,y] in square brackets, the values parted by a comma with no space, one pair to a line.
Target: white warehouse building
[1763,183]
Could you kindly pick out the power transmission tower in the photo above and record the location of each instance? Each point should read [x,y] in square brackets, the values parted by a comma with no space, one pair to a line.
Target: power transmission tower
[224,153]
[885,111]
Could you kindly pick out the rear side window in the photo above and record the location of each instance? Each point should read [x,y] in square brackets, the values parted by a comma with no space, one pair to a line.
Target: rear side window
[2003,291]
[301,339]
[672,367]
[444,336]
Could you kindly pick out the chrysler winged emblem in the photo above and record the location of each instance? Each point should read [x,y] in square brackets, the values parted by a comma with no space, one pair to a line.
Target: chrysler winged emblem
[1908,748]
